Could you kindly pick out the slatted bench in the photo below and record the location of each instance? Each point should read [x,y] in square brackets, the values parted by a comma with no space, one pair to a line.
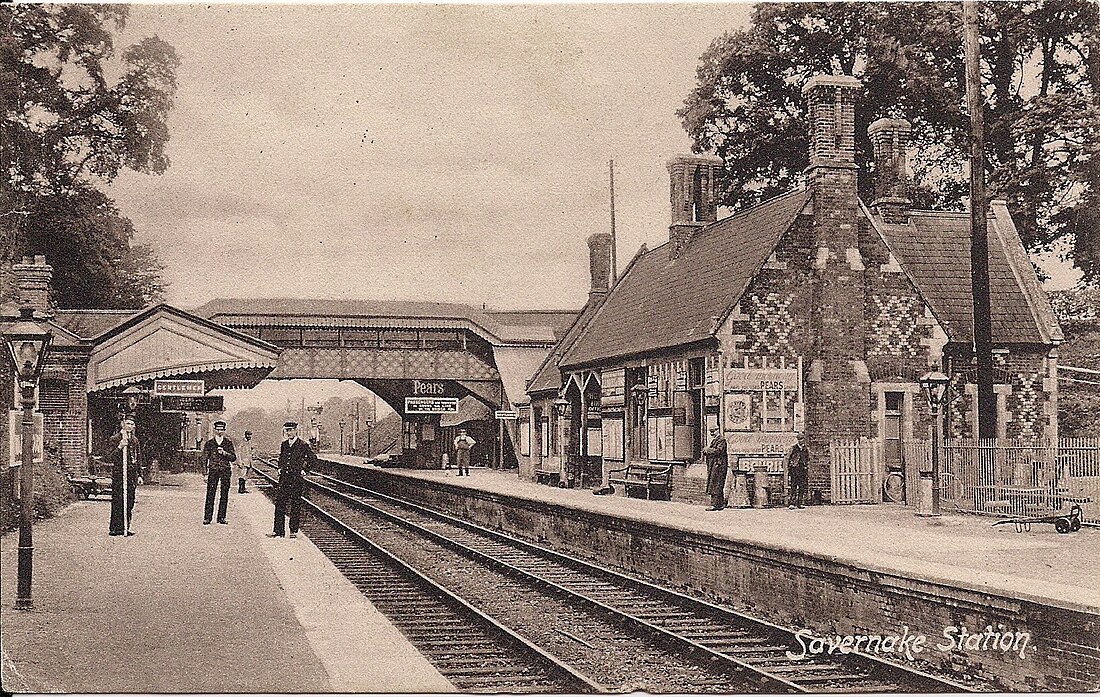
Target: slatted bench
[637,476]
[551,477]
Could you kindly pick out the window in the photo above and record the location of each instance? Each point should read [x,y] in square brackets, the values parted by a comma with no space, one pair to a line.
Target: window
[399,338]
[53,395]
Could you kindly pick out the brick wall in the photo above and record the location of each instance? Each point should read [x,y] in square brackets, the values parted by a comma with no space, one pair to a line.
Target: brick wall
[1025,386]
[63,440]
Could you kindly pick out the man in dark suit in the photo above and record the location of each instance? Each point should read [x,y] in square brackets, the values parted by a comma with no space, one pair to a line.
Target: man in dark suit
[715,454]
[218,457]
[124,447]
[798,466]
[295,459]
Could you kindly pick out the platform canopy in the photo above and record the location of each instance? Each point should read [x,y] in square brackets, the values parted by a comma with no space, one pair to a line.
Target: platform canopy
[164,341]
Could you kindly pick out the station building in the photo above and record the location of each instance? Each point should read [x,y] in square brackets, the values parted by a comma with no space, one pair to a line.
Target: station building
[813,311]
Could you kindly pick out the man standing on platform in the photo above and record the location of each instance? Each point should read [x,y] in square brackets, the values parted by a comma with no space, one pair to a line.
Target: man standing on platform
[295,459]
[218,457]
[798,467]
[463,444]
[244,463]
[715,453]
[125,447]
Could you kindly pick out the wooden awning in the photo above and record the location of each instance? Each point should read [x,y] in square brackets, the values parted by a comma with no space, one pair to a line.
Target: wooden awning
[164,341]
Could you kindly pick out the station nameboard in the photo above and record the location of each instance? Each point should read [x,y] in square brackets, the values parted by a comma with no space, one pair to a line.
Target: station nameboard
[206,403]
[761,379]
[505,415]
[431,405]
[179,388]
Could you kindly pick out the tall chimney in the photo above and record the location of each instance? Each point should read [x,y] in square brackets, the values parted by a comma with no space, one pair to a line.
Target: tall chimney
[889,140]
[599,264]
[693,196]
[837,383]
[32,278]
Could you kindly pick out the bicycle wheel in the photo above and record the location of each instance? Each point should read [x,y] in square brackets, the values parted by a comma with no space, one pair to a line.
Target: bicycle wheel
[893,489]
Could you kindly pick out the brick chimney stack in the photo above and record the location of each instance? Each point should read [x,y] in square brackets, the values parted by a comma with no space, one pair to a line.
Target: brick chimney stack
[693,195]
[599,264]
[837,383]
[32,278]
[890,139]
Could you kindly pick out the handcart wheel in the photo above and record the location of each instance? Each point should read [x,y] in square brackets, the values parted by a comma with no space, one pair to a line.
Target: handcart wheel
[1074,524]
[1062,525]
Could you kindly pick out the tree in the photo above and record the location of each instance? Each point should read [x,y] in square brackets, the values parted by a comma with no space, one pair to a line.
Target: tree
[1041,70]
[66,129]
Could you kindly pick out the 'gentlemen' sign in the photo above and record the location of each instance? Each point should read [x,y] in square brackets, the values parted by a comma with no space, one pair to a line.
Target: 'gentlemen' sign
[431,405]
[179,388]
[761,379]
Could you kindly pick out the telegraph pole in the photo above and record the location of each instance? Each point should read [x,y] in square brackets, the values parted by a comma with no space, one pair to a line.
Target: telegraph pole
[979,233]
[614,244]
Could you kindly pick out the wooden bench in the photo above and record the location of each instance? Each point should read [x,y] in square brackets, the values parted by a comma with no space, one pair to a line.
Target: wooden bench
[550,477]
[637,476]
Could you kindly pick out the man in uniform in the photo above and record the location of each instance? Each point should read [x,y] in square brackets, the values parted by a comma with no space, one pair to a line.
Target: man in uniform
[798,466]
[715,454]
[463,444]
[124,446]
[295,459]
[244,463]
[218,457]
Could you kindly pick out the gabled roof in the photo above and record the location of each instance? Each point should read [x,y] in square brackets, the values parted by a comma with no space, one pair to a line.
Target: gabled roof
[934,249]
[661,302]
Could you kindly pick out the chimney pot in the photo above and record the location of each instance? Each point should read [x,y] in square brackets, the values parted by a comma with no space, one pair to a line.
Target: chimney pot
[32,278]
[831,105]
[599,263]
[693,196]
[889,141]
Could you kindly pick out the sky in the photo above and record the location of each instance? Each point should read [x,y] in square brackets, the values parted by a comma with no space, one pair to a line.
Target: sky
[442,152]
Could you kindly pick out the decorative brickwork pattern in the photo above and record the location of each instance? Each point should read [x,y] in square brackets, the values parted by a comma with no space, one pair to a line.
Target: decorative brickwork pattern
[770,324]
[895,327]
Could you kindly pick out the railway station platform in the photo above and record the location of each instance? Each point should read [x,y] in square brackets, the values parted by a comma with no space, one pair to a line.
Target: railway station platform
[954,549]
[183,607]
[830,569]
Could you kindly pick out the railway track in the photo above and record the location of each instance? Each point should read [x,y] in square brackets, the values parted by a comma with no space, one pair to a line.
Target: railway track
[753,649]
[468,647]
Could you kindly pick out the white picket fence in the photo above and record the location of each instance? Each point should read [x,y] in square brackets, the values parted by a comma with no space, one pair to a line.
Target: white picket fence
[995,477]
[857,470]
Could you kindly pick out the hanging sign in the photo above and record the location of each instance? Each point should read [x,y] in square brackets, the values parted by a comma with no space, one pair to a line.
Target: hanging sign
[505,415]
[205,403]
[179,388]
[431,405]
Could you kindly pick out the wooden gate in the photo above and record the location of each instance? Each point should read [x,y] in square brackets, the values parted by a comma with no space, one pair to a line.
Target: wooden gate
[857,470]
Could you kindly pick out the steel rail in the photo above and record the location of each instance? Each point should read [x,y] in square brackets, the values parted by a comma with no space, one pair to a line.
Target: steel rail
[876,667]
[574,681]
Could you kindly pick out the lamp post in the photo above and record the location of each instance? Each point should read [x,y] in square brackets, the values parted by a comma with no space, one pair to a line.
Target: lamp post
[27,344]
[934,385]
[342,424]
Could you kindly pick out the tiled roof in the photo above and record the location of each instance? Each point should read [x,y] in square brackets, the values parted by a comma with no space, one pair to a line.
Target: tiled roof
[935,250]
[88,324]
[661,303]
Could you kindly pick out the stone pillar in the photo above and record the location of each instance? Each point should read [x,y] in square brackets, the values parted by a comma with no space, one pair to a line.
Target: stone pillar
[838,384]
[693,197]
[889,140]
